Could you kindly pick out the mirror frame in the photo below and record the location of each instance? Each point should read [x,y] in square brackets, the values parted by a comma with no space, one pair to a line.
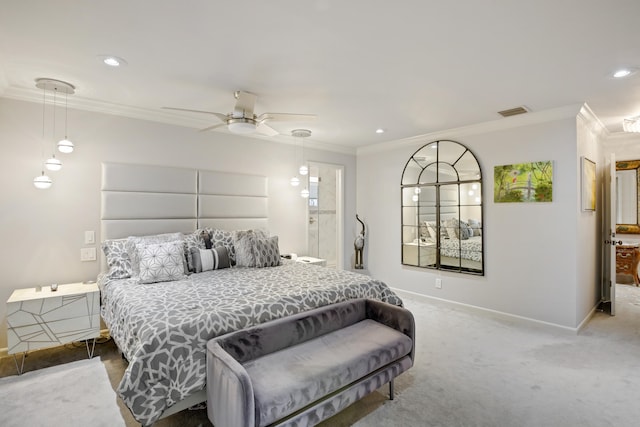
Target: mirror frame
[413,183]
[623,165]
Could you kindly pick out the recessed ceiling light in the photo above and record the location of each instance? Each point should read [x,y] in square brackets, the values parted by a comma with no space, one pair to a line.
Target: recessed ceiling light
[622,73]
[379,130]
[112,61]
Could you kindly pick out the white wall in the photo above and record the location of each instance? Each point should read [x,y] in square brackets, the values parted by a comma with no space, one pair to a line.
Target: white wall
[588,227]
[531,254]
[43,231]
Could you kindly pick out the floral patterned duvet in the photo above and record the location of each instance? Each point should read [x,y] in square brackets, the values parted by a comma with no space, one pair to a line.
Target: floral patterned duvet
[162,328]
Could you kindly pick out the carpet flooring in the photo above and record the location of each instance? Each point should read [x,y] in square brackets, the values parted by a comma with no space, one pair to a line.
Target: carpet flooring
[75,394]
[474,368]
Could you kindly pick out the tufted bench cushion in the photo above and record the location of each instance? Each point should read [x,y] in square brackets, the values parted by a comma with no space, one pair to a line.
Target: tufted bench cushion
[290,379]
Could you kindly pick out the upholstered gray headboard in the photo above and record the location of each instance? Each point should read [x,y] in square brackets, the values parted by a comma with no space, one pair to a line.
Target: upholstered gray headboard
[145,199]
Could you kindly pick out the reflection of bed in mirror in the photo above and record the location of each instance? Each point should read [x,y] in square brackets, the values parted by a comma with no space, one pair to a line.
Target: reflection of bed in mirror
[442,209]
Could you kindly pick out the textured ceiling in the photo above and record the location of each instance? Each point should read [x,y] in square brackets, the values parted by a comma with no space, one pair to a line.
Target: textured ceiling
[410,67]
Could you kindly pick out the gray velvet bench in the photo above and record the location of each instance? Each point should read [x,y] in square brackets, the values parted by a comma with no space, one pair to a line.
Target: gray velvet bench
[302,369]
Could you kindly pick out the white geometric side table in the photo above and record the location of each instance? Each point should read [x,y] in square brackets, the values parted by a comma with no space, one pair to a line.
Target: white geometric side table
[312,260]
[45,318]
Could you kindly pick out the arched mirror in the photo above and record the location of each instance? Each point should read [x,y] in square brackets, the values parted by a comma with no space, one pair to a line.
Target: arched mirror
[442,209]
[627,197]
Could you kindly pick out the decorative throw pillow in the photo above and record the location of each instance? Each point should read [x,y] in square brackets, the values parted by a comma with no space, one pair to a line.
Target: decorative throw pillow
[424,230]
[465,231]
[133,241]
[197,240]
[117,258]
[431,227]
[210,259]
[161,262]
[476,226]
[456,230]
[243,242]
[223,238]
[266,252]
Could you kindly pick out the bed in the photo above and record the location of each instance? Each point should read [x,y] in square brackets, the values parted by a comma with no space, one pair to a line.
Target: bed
[162,327]
[457,249]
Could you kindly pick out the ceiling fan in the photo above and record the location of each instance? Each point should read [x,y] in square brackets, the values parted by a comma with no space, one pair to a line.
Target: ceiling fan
[243,119]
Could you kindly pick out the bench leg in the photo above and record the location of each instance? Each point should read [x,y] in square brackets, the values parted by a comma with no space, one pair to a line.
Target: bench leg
[391,390]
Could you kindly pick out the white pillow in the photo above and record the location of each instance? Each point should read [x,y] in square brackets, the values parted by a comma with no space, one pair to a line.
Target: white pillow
[161,262]
[134,241]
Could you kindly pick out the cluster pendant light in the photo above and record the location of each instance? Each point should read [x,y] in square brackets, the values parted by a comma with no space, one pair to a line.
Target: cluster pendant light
[43,181]
[303,170]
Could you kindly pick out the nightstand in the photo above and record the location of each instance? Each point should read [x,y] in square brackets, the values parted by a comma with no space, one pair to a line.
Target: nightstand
[46,318]
[312,260]
[422,254]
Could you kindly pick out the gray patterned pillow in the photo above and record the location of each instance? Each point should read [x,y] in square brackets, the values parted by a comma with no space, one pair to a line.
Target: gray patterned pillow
[456,230]
[210,259]
[227,239]
[191,241]
[161,262]
[118,259]
[134,241]
[223,238]
[243,242]
[266,252]
[476,227]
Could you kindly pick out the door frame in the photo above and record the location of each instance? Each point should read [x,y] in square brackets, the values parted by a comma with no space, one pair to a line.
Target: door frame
[339,211]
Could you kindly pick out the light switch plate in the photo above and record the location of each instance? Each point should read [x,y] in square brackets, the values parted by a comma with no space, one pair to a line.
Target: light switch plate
[88,254]
[89,237]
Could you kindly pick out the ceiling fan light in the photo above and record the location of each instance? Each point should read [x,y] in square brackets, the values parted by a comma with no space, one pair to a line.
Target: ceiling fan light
[42,182]
[241,125]
[53,164]
[65,146]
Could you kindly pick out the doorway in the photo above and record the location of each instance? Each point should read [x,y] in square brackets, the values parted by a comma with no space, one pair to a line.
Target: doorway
[325,213]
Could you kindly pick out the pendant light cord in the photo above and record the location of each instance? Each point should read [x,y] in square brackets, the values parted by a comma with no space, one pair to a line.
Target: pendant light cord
[55,91]
[44,103]
[66,97]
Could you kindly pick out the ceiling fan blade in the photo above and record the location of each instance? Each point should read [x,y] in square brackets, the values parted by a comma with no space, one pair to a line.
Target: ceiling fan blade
[264,129]
[285,117]
[244,105]
[213,127]
[221,116]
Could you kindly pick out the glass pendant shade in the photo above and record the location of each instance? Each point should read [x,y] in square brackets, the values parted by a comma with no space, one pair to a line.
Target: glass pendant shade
[304,193]
[295,181]
[53,164]
[303,170]
[65,146]
[42,182]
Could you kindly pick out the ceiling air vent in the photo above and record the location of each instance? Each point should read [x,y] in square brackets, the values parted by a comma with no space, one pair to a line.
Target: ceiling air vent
[513,111]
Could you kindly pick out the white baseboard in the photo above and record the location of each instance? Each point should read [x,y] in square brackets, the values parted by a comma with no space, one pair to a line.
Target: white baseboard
[499,313]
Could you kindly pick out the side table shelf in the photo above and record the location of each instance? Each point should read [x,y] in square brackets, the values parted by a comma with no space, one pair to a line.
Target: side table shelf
[46,318]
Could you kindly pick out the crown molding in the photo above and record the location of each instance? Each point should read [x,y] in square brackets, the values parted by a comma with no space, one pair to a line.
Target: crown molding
[593,122]
[527,119]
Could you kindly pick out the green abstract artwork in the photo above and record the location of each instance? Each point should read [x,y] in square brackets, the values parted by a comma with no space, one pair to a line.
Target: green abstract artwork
[523,182]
